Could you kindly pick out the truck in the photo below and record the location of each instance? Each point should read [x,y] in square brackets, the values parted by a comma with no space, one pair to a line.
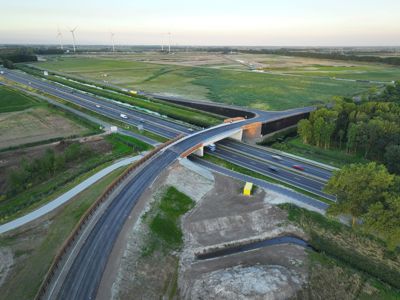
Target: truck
[211,147]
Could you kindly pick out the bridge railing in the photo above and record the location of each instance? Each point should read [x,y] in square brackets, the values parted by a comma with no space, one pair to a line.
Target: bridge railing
[69,242]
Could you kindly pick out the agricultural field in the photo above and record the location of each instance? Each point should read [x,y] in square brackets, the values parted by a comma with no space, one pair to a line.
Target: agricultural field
[36,124]
[279,82]
[27,120]
[11,100]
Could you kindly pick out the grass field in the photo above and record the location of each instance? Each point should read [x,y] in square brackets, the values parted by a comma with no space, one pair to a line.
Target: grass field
[36,124]
[333,157]
[230,85]
[12,100]
[164,222]
[34,249]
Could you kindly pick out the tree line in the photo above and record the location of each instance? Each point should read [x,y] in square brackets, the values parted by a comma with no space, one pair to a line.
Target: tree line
[43,168]
[9,56]
[370,129]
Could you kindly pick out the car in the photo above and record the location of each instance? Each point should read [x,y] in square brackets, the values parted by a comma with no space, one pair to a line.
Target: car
[273,169]
[277,157]
[141,120]
[123,116]
[190,129]
[98,106]
[298,167]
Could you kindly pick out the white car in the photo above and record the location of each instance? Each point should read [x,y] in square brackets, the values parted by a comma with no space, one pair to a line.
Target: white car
[123,116]
[277,157]
[98,106]
[191,129]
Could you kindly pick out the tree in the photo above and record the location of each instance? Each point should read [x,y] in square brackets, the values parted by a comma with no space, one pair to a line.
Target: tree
[383,219]
[357,186]
[352,138]
[8,64]
[304,129]
[318,128]
[341,134]
[392,158]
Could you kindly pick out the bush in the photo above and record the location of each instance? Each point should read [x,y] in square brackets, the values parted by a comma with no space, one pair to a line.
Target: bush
[355,260]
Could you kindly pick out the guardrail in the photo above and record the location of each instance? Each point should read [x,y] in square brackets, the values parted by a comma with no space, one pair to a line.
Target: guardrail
[90,212]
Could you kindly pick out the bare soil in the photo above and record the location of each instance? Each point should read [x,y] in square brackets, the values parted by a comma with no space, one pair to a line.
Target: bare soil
[33,125]
[225,217]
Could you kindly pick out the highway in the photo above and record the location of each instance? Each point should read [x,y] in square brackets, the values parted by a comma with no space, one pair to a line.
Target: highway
[168,128]
[264,167]
[265,154]
[81,278]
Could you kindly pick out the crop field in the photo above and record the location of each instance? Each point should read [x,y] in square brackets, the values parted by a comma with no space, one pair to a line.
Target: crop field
[279,83]
[11,100]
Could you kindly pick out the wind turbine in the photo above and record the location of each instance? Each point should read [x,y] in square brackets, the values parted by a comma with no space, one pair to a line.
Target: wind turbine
[112,41]
[73,37]
[169,42]
[59,36]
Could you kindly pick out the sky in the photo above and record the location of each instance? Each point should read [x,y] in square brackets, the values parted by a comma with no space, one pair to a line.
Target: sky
[203,22]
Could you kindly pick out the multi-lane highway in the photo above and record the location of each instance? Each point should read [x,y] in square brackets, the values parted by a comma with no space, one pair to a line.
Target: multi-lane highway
[244,153]
[80,278]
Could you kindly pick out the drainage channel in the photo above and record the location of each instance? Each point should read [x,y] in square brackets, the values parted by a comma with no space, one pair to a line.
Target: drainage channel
[255,245]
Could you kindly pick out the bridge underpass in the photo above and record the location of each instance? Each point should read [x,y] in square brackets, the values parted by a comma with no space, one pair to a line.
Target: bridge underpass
[248,131]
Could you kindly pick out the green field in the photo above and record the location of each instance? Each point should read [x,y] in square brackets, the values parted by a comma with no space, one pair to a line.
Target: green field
[12,100]
[164,222]
[240,87]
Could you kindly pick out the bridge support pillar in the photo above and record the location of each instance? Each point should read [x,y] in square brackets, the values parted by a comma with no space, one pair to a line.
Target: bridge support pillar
[199,152]
[252,132]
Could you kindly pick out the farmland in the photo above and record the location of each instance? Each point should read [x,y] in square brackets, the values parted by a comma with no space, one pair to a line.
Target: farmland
[11,100]
[280,83]
[36,124]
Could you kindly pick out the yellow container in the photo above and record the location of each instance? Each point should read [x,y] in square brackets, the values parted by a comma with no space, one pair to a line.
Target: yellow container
[247,189]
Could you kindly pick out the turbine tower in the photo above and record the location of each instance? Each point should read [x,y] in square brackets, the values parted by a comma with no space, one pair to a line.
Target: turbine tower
[73,37]
[169,42]
[59,36]
[112,41]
